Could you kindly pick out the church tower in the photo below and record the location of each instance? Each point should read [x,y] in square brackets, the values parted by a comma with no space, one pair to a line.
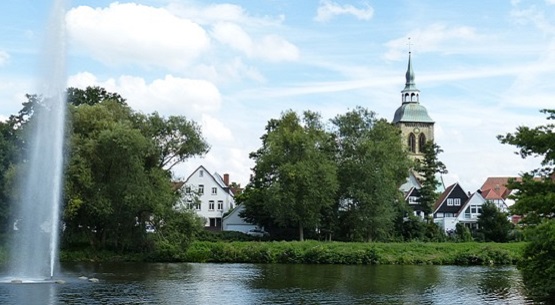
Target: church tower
[412,118]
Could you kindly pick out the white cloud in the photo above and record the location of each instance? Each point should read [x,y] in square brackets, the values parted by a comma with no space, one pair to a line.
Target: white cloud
[215,130]
[433,38]
[269,47]
[329,9]
[136,34]
[168,96]
[4,57]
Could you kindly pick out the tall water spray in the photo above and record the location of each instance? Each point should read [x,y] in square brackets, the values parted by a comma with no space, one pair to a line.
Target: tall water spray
[34,247]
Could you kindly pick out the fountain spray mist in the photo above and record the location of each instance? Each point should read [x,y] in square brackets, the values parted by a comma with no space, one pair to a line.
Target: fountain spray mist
[34,247]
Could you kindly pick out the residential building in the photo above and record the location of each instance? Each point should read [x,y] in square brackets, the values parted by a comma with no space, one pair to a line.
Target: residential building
[233,222]
[214,195]
[448,205]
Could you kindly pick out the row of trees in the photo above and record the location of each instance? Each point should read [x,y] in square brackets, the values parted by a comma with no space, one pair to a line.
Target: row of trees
[339,181]
[117,175]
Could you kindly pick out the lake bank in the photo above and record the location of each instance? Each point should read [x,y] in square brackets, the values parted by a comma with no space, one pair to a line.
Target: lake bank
[314,252]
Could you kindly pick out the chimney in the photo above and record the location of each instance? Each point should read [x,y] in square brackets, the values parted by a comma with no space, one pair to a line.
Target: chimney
[226,179]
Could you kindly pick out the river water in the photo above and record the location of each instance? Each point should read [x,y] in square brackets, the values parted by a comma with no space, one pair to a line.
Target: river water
[139,283]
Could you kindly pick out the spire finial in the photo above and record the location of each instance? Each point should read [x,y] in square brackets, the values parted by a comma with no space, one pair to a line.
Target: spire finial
[409,44]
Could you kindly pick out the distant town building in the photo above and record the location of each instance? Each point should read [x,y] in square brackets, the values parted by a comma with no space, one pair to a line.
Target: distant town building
[417,127]
[214,194]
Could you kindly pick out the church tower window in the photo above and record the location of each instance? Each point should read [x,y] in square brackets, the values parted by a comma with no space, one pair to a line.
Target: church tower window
[421,142]
[412,143]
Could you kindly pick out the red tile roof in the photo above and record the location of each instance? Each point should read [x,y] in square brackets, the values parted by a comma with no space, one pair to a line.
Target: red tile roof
[496,188]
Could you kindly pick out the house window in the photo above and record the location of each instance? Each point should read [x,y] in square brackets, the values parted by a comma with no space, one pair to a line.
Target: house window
[453,201]
[193,206]
[449,215]
[413,200]
[188,190]
[220,205]
[214,191]
[421,142]
[211,205]
[439,215]
[201,173]
[412,143]
[200,189]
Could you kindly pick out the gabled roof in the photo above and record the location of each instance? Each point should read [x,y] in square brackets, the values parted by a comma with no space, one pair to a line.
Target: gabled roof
[473,197]
[443,196]
[216,177]
[496,187]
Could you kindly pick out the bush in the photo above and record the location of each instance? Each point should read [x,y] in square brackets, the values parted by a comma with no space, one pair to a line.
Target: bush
[462,233]
[538,262]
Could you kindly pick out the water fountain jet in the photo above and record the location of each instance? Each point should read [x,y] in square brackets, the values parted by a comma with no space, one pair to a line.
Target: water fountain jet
[34,245]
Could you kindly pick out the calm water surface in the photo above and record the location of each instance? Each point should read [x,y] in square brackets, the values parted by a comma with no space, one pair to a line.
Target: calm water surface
[273,284]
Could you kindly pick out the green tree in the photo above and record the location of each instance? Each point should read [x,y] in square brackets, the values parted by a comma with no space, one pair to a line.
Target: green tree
[428,168]
[535,191]
[493,224]
[294,173]
[176,138]
[91,96]
[535,201]
[372,163]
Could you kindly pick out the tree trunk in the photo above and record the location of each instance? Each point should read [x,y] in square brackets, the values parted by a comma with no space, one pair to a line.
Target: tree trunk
[301,232]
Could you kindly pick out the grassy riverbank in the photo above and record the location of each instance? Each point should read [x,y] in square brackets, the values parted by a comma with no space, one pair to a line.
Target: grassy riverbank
[313,252]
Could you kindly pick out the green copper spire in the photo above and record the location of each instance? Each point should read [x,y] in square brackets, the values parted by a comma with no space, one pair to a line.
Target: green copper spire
[411,111]
[410,85]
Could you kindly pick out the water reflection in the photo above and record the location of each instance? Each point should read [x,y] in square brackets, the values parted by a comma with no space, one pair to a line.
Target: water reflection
[273,284]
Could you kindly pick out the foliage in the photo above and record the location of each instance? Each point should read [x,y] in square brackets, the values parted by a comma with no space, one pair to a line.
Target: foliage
[538,263]
[372,163]
[535,201]
[428,168]
[313,252]
[462,233]
[413,229]
[535,191]
[493,224]
[294,173]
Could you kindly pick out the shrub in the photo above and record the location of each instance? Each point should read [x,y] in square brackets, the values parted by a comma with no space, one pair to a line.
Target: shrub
[538,262]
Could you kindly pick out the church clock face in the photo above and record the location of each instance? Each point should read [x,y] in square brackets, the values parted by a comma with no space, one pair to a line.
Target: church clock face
[416,130]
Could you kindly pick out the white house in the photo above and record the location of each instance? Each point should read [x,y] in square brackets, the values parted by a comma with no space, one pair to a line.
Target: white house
[469,212]
[233,222]
[214,196]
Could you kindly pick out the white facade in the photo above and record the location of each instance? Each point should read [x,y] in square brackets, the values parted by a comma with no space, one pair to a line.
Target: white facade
[215,197]
[232,222]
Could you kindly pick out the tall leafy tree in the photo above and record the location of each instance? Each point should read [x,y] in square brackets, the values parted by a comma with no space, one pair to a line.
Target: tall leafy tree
[294,174]
[535,195]
[176,138]
[535,200]
[372,164]
[428,168]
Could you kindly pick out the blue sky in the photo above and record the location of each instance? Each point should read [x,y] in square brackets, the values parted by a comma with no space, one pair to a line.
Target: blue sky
[483,67]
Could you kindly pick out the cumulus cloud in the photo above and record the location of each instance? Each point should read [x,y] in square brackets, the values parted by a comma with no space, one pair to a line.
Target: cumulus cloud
[215,130]
[168,96]
[328,9]
[136,34]
[268,47]
[432,38]
[4,57]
